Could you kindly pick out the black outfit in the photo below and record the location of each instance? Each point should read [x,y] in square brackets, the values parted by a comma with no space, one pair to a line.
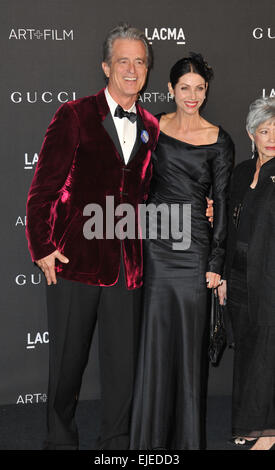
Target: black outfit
[169,398]
[246,216]
[78,306]
[251,298]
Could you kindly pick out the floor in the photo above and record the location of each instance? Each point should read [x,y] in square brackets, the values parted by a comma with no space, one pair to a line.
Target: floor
[23,426]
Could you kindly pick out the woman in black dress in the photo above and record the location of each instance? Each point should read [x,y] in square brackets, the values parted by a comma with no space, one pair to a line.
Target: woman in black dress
[192,156]
[250,273]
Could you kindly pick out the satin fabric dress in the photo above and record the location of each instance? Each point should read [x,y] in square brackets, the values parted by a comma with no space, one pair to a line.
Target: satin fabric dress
[170,390]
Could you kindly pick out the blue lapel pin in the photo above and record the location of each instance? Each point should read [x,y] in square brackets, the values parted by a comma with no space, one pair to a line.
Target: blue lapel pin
[144,136]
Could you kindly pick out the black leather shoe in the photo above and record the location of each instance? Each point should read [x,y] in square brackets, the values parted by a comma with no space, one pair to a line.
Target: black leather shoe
[241,442]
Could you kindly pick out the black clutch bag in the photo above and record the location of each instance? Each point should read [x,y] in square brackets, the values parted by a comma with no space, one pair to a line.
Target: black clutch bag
[217,342]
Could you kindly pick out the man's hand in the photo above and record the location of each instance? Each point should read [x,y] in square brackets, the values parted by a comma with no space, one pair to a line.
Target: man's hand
[212,280]
[222,293]
[210,211]
[47,265]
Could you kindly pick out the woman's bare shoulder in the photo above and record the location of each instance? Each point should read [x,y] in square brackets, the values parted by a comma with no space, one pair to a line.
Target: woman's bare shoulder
[165,119]
[211,130]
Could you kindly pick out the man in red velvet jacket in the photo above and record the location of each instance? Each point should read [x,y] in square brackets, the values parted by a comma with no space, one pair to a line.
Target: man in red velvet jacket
[93,149]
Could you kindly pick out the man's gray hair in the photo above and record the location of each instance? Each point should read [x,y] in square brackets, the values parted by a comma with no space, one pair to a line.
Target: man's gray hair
[125,31]
[260,111]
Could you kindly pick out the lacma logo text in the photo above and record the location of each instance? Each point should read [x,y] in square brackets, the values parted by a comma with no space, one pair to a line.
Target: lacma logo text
[38,338]
[165,34]
[268,93]
[30,161]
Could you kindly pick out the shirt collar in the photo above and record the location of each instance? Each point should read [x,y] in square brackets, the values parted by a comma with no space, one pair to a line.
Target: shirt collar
[112,103]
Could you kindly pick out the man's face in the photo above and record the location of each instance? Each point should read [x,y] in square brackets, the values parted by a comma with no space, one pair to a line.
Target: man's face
[128,69]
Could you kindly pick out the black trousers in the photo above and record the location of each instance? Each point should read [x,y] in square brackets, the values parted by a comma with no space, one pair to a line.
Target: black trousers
[73,309]
[253,395]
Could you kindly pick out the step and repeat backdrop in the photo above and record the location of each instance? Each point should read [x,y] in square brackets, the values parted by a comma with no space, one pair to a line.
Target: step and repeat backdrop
[51,54]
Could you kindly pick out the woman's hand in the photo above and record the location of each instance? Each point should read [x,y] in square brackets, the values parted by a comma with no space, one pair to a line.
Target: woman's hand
[210,211]
[212,280]
[222,293]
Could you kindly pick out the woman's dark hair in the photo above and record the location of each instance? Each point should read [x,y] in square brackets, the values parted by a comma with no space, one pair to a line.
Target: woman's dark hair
[194,63]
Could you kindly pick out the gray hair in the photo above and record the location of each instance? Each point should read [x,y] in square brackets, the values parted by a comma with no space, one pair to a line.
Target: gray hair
[125,31]
[260,111]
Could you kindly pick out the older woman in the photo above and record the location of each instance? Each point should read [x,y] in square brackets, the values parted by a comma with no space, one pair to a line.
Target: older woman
[250,272]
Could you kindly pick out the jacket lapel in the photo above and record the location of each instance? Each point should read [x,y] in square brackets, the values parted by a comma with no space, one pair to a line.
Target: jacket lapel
[138,142]
[109,126]
[107,121]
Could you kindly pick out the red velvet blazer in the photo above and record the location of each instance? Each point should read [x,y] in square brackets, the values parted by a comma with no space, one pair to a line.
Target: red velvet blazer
[80,163]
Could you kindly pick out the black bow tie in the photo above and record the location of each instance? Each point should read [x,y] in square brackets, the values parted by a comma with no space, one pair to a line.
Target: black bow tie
[120,113]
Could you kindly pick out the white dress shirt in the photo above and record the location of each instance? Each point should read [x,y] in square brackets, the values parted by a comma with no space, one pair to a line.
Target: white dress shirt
[126,130]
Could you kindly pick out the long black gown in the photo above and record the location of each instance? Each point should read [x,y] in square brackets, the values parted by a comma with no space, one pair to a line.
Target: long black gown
[169,399]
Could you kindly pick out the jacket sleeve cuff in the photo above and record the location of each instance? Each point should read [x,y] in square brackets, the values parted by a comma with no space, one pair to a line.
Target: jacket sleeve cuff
[42,251]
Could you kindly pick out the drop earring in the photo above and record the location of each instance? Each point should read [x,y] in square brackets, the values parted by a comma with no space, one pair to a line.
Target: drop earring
[253,149]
